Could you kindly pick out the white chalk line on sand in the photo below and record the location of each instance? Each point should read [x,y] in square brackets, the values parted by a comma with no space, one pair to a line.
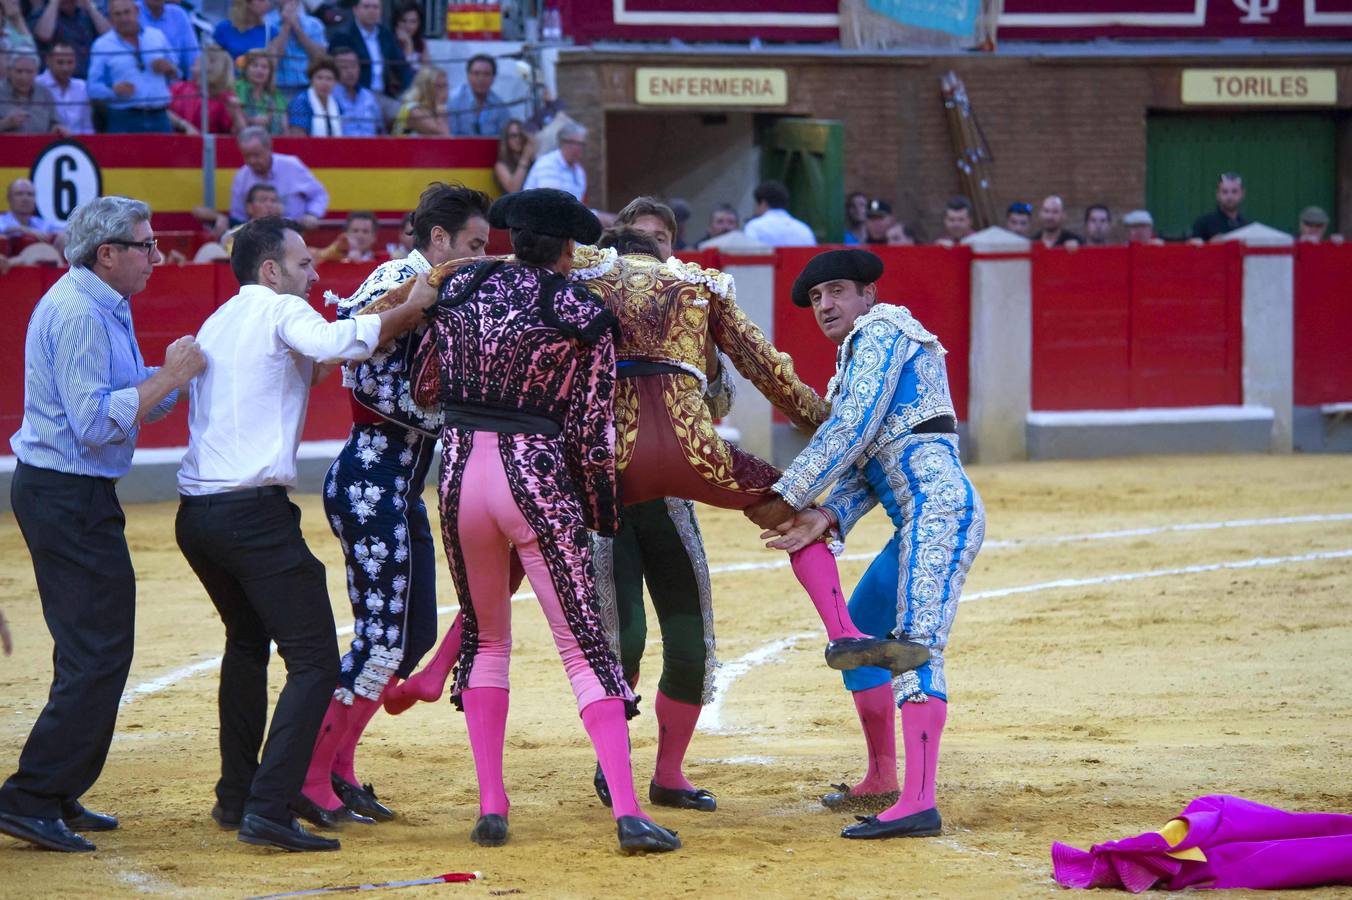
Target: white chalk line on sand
[169,679]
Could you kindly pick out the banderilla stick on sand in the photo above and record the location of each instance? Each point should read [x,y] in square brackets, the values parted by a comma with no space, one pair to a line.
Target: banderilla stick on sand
[448,878]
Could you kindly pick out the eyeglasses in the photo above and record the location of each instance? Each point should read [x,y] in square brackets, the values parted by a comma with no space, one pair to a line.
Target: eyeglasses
[149,246]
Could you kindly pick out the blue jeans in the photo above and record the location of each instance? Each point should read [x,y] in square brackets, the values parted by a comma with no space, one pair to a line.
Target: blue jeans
[138,121]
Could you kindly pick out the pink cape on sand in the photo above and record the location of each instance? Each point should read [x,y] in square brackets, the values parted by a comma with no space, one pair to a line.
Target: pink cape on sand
[1218,842]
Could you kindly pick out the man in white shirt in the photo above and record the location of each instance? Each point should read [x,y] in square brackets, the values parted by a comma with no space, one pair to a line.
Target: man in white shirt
[72,98]
[773,225]
[562,168]
[266,348]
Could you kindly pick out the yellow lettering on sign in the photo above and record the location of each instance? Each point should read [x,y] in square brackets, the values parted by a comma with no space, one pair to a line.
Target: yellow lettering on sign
[711,87]
[1260,87]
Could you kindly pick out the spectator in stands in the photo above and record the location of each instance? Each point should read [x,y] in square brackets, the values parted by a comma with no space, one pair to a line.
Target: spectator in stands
[856,216]
[362,116]
[261,201]
[27,107]
[75,23]
[357,242]
[772,224]
[1140,227]
[297,39]
[475,110]
[899,234]
[303,197]
[878,218]
[404,246]
[177,28]
[1053,233]
[723,219]
[1313,223]
[383,67]
[423,110]
[224,115]
[22,219]
[130,72]
[315,113]
[1226,217]
[682,211]
[1018,218]
[259,100]
[16,35]
[562,168]
[516,152]
[72,98]
[408,31]
[242,29]
[957,222]
[1098,226]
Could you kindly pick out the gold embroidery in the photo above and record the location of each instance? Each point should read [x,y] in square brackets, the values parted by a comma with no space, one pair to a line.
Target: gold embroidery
[626,422]
[706,452]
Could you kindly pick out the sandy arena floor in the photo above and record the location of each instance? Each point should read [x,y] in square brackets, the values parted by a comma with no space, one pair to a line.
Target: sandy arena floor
[1081,711]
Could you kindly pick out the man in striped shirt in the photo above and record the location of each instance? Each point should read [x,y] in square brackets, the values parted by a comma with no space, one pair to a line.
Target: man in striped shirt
[86,392]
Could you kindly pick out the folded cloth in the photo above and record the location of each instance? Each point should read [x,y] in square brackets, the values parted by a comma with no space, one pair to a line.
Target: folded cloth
[1218,842]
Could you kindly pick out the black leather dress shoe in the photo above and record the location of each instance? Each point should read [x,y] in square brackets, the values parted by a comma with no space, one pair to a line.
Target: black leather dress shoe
[361,800]
[638,835]
[490,831]
[315,814]
[842,800]
[77,818]
[678,798]
[925,823]
[602,789]
[51,834]
[254,829]
[886,653]
[224,818]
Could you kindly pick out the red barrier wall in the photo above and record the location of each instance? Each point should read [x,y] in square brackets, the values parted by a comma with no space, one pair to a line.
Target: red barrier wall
[934,283]
[1137,326]
[175,302]
[1323,324]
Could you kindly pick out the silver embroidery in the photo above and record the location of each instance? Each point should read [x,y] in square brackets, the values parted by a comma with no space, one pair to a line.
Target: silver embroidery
[682,515]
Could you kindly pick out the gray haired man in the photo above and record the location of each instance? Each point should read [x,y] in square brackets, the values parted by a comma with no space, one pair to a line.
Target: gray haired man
[562,168]
[87,390]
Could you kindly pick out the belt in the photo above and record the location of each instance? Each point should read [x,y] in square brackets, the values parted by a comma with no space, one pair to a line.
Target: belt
[239,496]
[143,110]
[501,421]
[631,368]
[936,425]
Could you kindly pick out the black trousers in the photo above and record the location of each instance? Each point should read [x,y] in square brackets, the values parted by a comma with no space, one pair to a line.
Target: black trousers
[73,526]
[248,551]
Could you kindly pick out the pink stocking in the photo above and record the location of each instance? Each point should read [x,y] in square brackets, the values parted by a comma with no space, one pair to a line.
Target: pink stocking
[317,785]
[922,724]
[343,761]
[816,570]
[429,684]
[878,717]
[486,722]
[609,733]
[675,726]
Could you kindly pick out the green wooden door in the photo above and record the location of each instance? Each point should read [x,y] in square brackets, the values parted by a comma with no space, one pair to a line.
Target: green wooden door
[1288,161]
[808,155]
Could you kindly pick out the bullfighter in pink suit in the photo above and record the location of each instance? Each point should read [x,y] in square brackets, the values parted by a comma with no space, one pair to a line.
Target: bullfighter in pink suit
[523,367]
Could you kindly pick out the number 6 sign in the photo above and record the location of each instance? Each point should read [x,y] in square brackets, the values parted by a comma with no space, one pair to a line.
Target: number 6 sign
[65,176]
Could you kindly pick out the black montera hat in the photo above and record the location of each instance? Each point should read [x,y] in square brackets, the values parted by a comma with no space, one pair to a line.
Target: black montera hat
[546,211]
[834,265]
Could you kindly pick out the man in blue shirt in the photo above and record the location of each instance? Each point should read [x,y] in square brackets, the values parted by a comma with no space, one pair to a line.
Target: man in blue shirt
[360,109]
[86,392]
[299,38]
[475,110]
[130,71]
[177,28]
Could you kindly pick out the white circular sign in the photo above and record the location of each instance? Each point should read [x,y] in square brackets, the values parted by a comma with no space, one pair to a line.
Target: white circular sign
[65,175]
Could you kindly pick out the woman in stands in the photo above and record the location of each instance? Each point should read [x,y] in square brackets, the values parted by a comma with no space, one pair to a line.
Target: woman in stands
[424,104]
[259,100]
[408,30]
[224,114]
[314,112]
[516,152]
[243,30]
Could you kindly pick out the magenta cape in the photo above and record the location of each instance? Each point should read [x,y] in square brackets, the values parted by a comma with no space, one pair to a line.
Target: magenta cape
[1230,842]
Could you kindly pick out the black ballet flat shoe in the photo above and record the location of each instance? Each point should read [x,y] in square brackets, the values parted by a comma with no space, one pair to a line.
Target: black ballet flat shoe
[315,814]
[49,834]
[842,800]
[638,835]
[887,653]
[225,818]
[361,800]
[490,831]
[254,829]
[925,823]
[602,789]
[77,818]
[678,798]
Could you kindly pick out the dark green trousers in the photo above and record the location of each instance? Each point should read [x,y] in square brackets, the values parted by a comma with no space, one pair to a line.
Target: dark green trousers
[659,543]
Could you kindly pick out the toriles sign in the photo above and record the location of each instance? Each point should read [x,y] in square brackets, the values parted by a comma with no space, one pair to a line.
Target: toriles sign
[1265,87]
[711,87]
